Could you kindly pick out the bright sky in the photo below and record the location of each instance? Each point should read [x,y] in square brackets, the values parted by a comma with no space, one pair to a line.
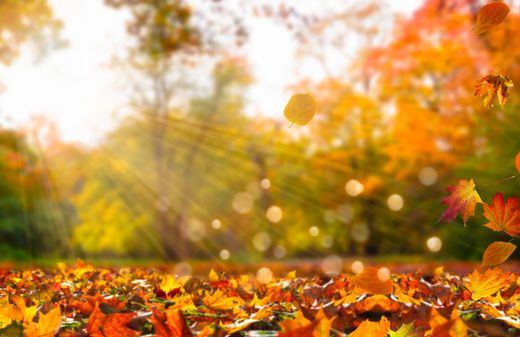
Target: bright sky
[78,89]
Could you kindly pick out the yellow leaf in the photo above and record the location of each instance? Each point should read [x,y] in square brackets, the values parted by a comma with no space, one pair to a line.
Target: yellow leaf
[213,276]
[220,301]
[49,324]
[300,109]
[487,283]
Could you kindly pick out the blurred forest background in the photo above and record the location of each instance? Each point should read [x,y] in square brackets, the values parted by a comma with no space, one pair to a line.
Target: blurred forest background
[190,175]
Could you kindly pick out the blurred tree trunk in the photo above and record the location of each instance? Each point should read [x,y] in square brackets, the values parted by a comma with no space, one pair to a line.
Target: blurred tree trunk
[172,235]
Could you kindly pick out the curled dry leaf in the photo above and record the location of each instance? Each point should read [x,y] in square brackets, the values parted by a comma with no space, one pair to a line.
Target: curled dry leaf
[300,109]
[463,200]
[369,281]
[494,86]
[490,16]
[503,217]
[483,285]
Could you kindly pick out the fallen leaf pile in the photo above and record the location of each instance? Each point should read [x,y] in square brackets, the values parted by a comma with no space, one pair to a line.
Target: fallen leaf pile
[83,300]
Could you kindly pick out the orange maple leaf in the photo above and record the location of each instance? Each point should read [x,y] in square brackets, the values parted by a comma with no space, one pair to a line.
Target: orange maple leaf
[517,162]
[171,324]
[503,217]
[483,285]
[490,16]
[101,325]
[370,281]
[494,86]
[304,331]
[463,200]
[372,329]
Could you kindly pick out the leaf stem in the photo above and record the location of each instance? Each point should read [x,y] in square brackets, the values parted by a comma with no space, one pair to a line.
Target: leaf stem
[290,125]
[496,182]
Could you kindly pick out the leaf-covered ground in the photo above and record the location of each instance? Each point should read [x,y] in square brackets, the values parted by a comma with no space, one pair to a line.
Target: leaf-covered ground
[83,300]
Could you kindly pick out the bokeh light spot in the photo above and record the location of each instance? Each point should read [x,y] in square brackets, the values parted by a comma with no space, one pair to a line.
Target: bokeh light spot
[264,275]
[265,183]
[216,224]
[329,216]
[279,252]
[428,176]
[383,274]
[360,232]
[224,254]
[182,269]
[332,265]
[395,202]
[434,244]
[354,188]
[274,214]
[196,230]
[327,241]
[357,267]
[345,213]
[243,202]
[314,231]
[261,241]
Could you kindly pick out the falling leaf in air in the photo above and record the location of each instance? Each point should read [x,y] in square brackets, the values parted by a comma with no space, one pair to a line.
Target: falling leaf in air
[490,16]
[503,217]
[497,253]
[369,281]
[408,330]
[372,329]
[463,200]
[494,86]
[483,285]
[301,109]
[517,162]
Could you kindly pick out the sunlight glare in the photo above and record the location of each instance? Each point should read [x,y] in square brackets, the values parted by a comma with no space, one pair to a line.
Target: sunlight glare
[264,275]
[261,241]
[274,214]
[434,244]
[428,176]
[395,202]
[332,265]
[357,267]
[243,202]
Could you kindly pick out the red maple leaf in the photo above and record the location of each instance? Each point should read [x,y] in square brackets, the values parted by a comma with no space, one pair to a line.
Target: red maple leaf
[503,217]
[463,200]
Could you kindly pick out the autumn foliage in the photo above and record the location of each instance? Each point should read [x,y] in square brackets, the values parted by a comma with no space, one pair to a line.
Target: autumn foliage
[84,300]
